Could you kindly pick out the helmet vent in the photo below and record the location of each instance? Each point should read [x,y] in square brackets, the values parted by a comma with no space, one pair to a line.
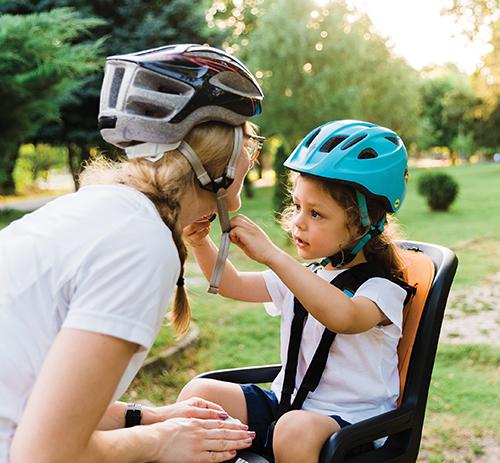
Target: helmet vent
[159,83]
[393,140]
[115,86]
[353,142]
[311,138]
[235,83]
[368,153]
[147,110]
[331,143]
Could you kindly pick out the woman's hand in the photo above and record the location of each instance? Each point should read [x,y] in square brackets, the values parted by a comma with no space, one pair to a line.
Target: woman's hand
[191,440]
[190,408]
[252,240]
[196,233]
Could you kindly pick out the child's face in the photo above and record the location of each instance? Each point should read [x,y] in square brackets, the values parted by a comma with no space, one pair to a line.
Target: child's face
[319,224]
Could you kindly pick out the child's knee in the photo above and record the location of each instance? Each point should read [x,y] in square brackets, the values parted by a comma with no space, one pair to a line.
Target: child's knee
[289,434]
[200,387]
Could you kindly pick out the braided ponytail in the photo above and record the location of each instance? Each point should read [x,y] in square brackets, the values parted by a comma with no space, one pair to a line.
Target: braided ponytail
[164,183]
[181,313]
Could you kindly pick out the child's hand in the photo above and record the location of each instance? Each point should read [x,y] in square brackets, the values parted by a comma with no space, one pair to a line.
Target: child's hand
[252,240]
[196,233]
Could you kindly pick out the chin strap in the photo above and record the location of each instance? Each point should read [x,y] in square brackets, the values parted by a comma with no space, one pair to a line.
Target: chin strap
[345,256]
[219,187]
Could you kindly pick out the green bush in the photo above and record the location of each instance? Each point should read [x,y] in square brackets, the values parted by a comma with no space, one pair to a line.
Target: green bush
[439,189]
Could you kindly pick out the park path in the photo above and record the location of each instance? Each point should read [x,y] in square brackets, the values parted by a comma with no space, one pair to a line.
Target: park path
[26,204]
[472,315]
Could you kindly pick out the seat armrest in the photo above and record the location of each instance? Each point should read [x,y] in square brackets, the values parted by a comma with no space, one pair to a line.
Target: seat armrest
[366,431]
[259,374]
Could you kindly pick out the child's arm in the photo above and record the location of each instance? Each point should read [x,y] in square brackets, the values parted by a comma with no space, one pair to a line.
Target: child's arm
[242,286]
[329,305]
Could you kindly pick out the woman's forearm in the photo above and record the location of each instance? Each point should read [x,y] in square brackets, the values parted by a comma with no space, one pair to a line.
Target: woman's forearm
[127,445]
[114,417]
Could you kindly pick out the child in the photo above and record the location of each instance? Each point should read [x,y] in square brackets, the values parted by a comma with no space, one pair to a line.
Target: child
[350,175]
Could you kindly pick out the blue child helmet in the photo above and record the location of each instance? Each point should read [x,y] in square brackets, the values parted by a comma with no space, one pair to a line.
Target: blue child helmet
[367,156]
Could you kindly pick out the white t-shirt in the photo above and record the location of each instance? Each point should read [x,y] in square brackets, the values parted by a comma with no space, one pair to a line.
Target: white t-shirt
[100,260]
[361,377]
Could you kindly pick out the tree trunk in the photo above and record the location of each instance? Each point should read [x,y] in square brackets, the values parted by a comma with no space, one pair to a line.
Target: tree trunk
[8,158]
[78,154]
[73,157]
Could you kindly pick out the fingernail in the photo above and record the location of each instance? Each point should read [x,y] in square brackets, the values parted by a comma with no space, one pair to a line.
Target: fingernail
[244,427]
[251,434]
[212,217]
[223,415]
[248,441]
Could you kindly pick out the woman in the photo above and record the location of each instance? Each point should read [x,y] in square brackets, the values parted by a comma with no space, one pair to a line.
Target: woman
[85,280]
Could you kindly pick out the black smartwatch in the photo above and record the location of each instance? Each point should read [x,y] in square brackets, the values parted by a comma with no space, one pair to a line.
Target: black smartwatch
[133,415]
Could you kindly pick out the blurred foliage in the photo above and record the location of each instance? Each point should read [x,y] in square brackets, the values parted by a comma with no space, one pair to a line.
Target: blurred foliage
[449,107]
[40,67]
[316,61]
[479,20]
[126,26]
[318,64]
[35,162]
[474,16]
[282,186]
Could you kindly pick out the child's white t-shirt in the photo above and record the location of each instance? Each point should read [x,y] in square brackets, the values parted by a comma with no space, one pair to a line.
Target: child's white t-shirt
[361,376]
[100,260]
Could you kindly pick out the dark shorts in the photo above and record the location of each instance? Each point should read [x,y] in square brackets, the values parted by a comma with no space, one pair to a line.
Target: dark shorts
[262,409]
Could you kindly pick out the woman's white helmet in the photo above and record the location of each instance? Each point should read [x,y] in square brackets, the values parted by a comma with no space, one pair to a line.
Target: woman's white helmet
[151,99]
[157,96]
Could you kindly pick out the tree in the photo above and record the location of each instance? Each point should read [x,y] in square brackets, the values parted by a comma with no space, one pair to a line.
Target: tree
[449,105]
[128,26]
[480,22]
[40,68]
[318,64]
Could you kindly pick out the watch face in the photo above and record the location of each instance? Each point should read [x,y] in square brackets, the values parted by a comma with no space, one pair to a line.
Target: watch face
[133,415]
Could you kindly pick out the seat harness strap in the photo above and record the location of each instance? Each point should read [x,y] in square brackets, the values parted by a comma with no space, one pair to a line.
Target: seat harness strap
[348,281]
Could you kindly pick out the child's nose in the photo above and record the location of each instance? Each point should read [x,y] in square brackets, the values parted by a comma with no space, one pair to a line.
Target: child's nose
[299,221]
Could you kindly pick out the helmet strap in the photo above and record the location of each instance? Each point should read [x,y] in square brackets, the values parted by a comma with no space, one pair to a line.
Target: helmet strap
[150,151]
[219,187]
[345,256]
[223,214]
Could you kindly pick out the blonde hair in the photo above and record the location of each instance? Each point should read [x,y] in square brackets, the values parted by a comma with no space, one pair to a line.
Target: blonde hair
[381,250]
[165,182]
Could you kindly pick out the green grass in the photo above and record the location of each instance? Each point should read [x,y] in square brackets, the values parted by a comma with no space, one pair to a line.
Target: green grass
[471,227]
[465,384]
[464,390]
[9,215]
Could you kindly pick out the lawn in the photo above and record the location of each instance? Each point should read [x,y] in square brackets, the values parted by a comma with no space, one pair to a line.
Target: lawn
[460,416]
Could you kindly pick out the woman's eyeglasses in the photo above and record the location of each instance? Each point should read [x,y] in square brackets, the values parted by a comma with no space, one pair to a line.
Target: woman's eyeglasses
[254,146]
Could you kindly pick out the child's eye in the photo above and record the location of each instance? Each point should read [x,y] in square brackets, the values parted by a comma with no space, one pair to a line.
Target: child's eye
[296,207]
[315,214]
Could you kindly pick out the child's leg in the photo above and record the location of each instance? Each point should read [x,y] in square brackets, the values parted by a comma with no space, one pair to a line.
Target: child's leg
[228,395]
[299,436]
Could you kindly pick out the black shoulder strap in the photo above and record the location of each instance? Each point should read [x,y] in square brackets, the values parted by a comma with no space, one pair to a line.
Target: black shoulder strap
[348,281]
